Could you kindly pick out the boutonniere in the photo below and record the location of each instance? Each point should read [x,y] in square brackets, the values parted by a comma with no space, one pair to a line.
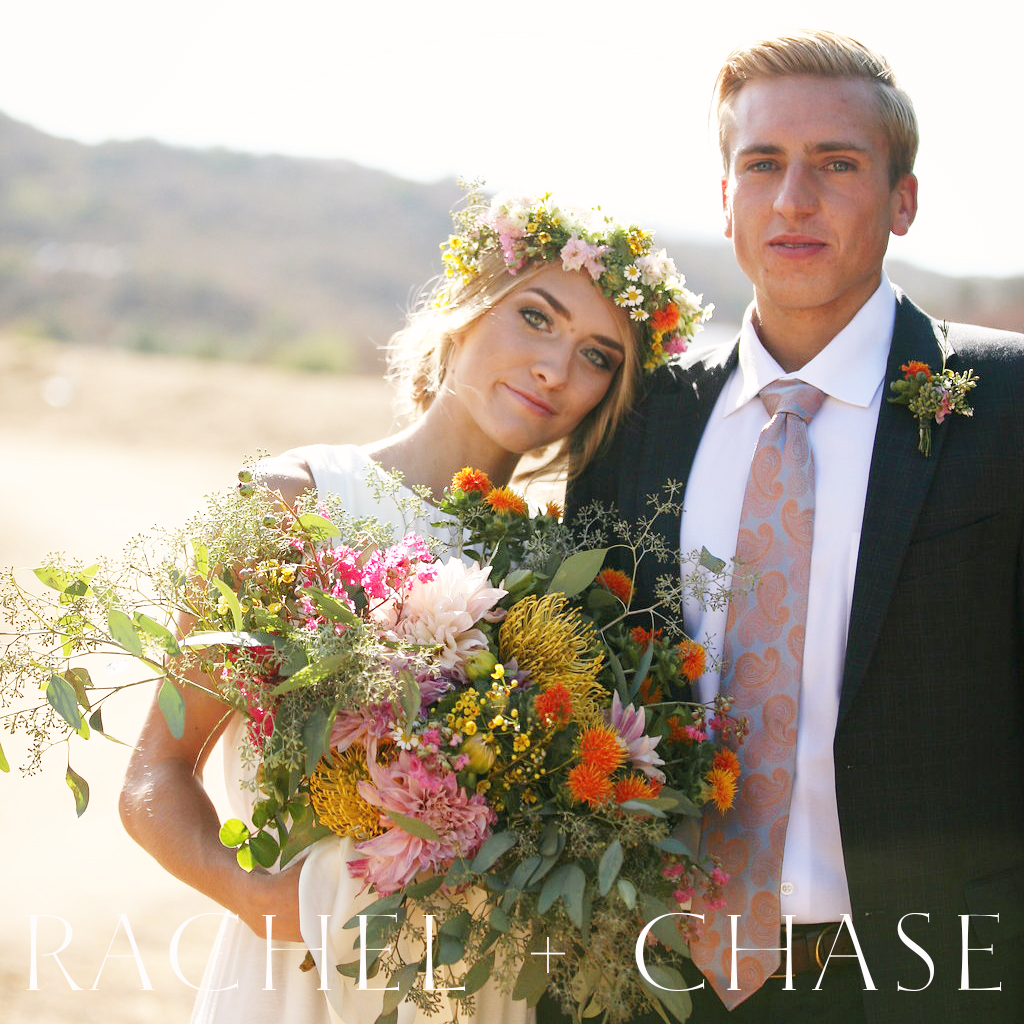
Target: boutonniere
[931,397]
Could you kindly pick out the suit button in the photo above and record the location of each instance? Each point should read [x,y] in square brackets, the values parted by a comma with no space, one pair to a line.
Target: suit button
[787,888]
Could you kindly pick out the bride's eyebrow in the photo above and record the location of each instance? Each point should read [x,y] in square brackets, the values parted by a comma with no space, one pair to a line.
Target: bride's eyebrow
[563,312]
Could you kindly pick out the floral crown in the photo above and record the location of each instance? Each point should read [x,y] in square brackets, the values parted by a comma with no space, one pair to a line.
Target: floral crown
[619,259]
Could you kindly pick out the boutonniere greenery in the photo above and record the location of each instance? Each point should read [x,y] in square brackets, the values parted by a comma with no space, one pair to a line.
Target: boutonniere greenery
[931,397]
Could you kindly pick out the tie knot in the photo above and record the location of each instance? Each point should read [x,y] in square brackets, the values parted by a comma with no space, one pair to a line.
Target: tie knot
[794,396]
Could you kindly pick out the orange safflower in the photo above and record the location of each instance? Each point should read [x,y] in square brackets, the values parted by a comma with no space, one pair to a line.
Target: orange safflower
[601,748]
[723,787]
[505,501]
[643,636]
[692,659]
[728,761]
[634,787]
[589,785]
[469,480]
[554,705]
[914,367]
[554,509]
[618,583]
[666,318]
[677,733]
[649,693]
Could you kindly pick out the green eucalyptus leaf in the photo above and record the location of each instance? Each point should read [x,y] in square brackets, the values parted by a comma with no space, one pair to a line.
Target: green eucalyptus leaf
[245,859]
[552,888]
[427,887]
[4,764]
[620,676]
[384,906]
[609,866]
[499,921]
[411,697]
[316,736]
[96,724]
[333,609]
[80,788]
[457,925]
[60,694]
[123,632]
[552,840]
[414,826]
[577,572]
[53,577]
[172,705]
[521,876]
[318,527]
[669,989]
[531,981]
[310,675]
[167,640]
[231,600]
[264,848]
[572,893]
[627,890]
[233,833]
[478,975]
[404,978]
[493,848]
[201,557]
[450,949]
[710,561]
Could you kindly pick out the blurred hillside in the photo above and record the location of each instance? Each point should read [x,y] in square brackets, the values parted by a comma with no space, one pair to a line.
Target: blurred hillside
[302,263]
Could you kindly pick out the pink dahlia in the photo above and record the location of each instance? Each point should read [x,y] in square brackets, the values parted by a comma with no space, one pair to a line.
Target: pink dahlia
[443,611]
[405,786]
[631,724]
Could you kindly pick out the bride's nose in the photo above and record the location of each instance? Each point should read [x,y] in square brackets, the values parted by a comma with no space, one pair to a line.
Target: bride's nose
[551,365]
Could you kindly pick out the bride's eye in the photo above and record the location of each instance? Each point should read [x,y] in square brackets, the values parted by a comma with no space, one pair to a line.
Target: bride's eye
[598,357]
[534,317]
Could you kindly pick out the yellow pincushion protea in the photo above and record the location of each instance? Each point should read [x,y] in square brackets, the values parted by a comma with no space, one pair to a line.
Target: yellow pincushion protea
[335,797]
[549,638]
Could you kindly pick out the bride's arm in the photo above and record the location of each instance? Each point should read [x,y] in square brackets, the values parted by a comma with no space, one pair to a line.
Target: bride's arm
[166,809]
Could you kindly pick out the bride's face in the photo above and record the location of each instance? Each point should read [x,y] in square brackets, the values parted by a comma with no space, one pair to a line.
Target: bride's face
[530,369]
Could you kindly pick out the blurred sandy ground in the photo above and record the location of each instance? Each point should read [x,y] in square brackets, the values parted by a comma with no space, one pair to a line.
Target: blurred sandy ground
[94,447]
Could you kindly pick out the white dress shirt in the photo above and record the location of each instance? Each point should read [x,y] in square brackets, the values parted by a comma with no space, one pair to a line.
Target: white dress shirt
[850,370]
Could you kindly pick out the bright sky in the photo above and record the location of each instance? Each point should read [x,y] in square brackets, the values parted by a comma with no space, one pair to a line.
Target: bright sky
[597,102]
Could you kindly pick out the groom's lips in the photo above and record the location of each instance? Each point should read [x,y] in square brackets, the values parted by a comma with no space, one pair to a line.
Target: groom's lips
[796,246]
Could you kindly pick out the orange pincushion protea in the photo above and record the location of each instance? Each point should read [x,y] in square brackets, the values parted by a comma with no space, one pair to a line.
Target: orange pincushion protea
[554,706]
[635,786]
[589,785]
[601,748]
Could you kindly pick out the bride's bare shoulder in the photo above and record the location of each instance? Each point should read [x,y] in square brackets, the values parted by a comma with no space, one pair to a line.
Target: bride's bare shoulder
[287,474]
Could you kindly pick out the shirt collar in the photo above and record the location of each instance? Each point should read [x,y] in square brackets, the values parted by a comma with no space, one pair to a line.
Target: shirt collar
[849,368]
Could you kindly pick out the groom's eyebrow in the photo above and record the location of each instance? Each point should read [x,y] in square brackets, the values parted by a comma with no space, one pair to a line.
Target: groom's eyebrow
[563,312]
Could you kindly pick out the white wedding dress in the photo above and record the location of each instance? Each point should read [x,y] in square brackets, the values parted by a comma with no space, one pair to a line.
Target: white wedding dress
[234,988]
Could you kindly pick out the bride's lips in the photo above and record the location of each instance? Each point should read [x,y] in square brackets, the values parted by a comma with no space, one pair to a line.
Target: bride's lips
[531,401]
[796,246]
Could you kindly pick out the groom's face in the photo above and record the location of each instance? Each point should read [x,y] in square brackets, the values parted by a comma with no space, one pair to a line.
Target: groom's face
[808,202]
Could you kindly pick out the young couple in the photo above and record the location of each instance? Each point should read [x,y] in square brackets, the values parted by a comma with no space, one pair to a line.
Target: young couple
[879,656]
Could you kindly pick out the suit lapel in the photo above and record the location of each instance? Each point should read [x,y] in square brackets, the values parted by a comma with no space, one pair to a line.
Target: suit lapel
[898,483]
[676,421]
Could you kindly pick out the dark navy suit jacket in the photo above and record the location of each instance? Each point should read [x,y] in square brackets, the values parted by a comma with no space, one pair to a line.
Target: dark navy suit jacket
[929,746]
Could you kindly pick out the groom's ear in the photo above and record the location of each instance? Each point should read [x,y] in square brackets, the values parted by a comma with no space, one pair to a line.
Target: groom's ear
[903,204]
[725,207]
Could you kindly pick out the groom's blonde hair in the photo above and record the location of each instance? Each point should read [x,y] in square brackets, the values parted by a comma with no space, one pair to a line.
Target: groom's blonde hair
[826,55]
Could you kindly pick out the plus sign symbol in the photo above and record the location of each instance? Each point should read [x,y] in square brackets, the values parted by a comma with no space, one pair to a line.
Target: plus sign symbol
[547,953]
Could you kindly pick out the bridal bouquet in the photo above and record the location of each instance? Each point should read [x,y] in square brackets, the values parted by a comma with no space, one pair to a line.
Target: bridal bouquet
[498,729]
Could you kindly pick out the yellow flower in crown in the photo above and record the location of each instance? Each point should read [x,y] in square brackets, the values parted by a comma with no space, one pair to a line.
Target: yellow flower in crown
[620,260]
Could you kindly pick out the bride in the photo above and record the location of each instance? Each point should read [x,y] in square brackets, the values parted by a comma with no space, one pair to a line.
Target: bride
[536,337]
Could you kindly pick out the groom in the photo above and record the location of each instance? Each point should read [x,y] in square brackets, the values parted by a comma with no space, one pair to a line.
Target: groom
[902,852]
